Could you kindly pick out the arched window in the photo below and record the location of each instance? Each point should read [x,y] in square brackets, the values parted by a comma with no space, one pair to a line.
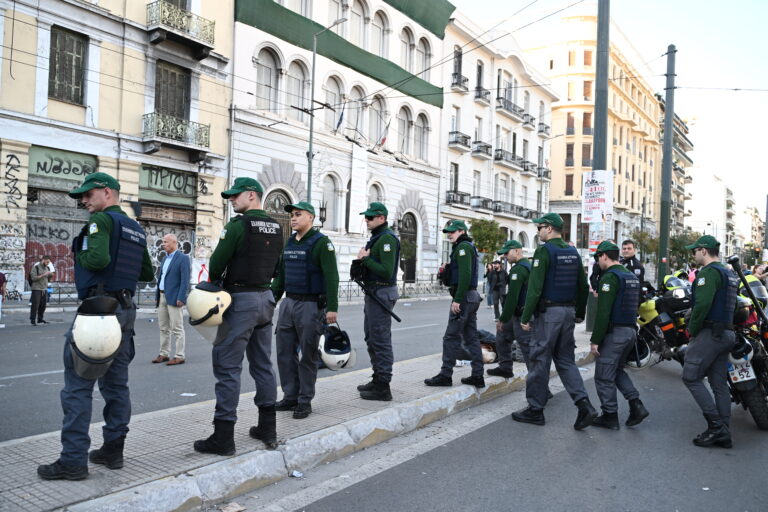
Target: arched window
[332,98]
[357,24]
[376,122]
[541,111]
[355,127]
[406,49]
[457,57]
[336,12]
[296,85]
[422,59]
[330,196]
[480,72]
[379,35]
[421,137]
[523,238]
[404,131]
[527,102]
[375,195]
[266,80]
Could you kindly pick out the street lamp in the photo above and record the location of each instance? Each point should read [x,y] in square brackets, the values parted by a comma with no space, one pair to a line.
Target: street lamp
[310,154]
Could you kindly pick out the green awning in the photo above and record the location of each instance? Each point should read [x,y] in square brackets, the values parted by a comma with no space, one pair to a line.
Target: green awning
[433,15]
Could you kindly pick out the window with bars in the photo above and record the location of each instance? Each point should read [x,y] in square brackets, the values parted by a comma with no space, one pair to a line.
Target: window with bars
[66,73]
[172,90]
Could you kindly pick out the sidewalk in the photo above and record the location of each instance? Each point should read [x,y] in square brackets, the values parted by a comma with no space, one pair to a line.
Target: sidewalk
[163,473]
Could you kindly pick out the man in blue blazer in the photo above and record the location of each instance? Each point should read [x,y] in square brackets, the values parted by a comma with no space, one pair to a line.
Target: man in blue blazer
[172,290]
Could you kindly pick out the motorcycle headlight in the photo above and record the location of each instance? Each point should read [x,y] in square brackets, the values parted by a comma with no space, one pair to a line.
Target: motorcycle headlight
[678,293]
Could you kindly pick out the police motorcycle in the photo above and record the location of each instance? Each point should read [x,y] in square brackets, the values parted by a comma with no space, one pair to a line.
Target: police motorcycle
[662,324]
[748,361]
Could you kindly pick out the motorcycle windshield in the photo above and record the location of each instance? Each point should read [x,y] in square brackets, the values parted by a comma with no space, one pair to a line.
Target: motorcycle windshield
[675,282]
[759,290]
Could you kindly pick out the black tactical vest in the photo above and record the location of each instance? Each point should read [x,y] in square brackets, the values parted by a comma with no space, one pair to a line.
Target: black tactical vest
[255,262]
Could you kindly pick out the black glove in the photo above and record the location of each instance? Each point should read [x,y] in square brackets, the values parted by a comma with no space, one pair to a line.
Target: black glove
[357,270]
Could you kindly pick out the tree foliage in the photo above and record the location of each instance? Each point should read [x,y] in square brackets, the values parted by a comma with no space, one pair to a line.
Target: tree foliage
[488,237]
[679,256]
[645,242]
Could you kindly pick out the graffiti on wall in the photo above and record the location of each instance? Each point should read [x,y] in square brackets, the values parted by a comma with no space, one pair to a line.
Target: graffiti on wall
[52,238]
[10,188]
[54,165]
[156,232]
[169,180]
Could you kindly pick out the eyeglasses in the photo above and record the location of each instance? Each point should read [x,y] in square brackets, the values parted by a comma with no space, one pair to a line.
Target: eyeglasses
[370,217]
[539,228]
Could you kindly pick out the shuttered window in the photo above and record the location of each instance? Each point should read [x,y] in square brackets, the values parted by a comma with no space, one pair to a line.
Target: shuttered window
[66,74]
[172,90]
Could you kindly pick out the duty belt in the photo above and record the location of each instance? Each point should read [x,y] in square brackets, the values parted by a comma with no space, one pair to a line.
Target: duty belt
[718,325]
[241,288]
[303,297]
[550,304]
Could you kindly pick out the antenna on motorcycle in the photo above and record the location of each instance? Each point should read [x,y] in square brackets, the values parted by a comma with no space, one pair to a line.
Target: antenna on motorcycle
[734,262]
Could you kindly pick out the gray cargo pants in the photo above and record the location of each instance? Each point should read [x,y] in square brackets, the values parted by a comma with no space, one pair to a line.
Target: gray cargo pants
[299,326]
[377,327]
[463,326]
[707,356]
[609,368]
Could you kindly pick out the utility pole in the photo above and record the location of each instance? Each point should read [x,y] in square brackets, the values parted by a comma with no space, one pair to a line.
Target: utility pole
[666,167]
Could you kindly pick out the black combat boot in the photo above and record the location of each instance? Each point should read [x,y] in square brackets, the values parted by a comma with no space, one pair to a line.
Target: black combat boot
[717,433]
[439,380]
[529,415]
[266,430]
[59,471]
[475,380]
[286,405]
[380,391]
[221,442]
[586,416]
[500,372]
[637,412]
[368,386]
[609,420]
[110,454]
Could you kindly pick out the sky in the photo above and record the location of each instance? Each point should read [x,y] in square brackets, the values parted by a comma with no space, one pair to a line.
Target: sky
[719,44]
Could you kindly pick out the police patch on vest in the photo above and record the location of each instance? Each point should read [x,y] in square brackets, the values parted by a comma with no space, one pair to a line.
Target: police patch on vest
[223,234]
[387,247]
[330,247]
[513,277]
[637,271]
[536,263]
[606,287]
[702,281]
[462,252]
[93,228]
[265,228]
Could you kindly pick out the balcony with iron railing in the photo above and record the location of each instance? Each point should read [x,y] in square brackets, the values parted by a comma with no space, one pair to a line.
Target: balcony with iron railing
[586,162]
[481,203]
[459,82]
[569,161]
[570,130]
[167,21]
[530,168]
[161,129]
[459,141]
[529,122]
[586,130]
[482,150]
[544,129]
[456,197]
[482,95]
[544,173]
[503,207]
[508,159]
[509,109]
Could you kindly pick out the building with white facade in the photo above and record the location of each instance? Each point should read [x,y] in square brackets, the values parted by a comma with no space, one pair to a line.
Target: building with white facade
[709,206]
[496,128]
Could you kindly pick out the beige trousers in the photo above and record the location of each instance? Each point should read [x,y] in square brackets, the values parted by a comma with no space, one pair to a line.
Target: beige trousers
[171,320]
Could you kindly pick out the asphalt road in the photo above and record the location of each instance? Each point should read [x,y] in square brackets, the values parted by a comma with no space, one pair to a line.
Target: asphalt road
[31,368]
[511,466]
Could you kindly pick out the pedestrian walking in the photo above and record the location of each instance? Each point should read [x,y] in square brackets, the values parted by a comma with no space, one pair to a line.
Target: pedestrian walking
[614,335]
[712,338]
[380,258]
[310,279]
[171,295]
[246,260]
[557,293]
[39,276]
[110,256]
[462,318]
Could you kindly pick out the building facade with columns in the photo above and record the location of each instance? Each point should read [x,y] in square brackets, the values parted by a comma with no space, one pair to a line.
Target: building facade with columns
[376,133]
[496,126]
[139,90]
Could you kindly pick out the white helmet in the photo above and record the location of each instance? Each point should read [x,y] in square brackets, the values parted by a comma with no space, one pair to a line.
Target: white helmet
[335,349]
[489,356]
[96,336]
[639,355]
[741,352]
[206,304]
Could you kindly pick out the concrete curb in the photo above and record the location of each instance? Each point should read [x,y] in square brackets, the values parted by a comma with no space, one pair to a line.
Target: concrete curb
[205,486]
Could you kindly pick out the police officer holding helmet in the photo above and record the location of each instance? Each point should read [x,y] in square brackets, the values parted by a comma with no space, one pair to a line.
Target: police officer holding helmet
[462,319]
[712,338]
[379,259]
[557,293]
[614,334]
[310,279]
[246,260]
[110,258]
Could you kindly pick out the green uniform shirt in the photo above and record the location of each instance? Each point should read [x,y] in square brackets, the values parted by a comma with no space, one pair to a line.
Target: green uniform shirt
[538,276]
[707,283]
[97,256]
[606,295]
[324,256]
[229,242]
[381,261]
[518,276]
[463,252]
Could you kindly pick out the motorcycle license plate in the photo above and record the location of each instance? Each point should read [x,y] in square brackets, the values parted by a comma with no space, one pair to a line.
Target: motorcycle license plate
[741,372]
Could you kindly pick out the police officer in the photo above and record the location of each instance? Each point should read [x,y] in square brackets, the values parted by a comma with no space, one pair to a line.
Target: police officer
[557,293]
[246,259]
[629,260]
[462,319]
[614,334]
[712,338]
[310,279]
[110,258]
[379,258]
[508,325]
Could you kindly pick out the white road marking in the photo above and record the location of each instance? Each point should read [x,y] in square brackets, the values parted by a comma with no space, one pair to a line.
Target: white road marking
[31,375]
[414,327]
